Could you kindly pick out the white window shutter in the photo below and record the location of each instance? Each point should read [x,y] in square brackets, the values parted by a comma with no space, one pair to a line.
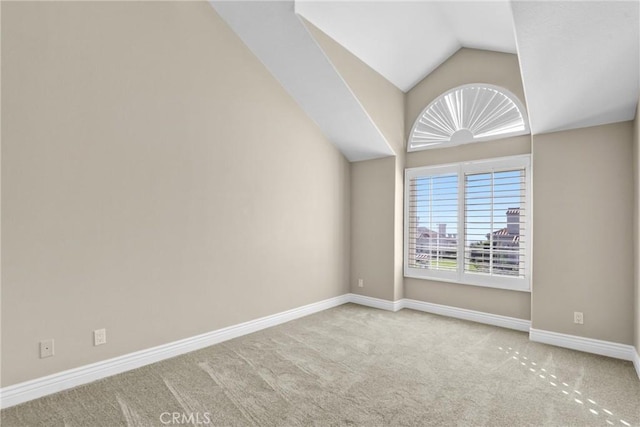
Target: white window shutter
[469,113]
[495,223]
[470,223]
[433,208]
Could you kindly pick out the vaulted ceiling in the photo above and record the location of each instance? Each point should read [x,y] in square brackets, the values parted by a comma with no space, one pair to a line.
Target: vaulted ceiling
[579,60]
[405,41]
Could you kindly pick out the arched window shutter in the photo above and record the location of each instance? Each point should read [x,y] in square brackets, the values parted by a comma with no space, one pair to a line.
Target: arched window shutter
[469,113]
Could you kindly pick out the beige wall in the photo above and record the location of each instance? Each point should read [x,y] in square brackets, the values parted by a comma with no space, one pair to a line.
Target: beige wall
[582,222]
[398,222]
[372,227]
[513,146]
[156,182]
[385,105]
[467,66]
[636,222]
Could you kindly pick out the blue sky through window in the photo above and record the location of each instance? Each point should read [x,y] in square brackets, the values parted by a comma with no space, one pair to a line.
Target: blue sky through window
[437,202]
[488,196]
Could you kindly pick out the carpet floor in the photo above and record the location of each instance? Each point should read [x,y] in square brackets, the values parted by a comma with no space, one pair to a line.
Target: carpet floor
[354,365]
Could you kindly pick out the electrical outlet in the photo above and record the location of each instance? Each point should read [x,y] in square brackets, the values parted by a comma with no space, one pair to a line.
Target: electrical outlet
[578,317]
[46,348]
[361,283]
[99,337]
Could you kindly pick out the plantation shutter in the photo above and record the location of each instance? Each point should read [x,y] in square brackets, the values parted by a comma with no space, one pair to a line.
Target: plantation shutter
[432,222]
[495,219]
[468,113]
[469,223]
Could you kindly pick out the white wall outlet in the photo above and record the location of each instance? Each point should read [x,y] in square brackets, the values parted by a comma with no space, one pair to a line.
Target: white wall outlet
[578,317]
[99,337]
[361,283]
[46,348]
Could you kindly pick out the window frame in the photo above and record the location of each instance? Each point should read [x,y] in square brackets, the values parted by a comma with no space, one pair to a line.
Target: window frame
[459,275]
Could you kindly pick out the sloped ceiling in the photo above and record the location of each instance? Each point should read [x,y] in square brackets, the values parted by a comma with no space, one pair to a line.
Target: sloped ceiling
[273,32]
[579,60]
[405,41]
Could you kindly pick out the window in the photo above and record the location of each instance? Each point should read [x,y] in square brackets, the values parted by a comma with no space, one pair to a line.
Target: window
[469,223]
[468,113]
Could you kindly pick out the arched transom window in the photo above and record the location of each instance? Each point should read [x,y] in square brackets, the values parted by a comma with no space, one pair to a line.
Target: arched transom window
[468,113]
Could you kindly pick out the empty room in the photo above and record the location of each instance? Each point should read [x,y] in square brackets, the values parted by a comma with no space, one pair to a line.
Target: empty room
[295,213]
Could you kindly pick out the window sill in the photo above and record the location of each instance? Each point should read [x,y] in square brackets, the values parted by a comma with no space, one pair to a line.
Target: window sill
[523,286]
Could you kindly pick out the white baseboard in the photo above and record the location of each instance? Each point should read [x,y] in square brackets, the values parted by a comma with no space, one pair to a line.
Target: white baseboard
[444,310]
[474,316]
[589,345]
[636,360]
[382,304]
[29,390]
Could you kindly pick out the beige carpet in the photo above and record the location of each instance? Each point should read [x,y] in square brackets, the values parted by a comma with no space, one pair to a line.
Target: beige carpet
[353,365]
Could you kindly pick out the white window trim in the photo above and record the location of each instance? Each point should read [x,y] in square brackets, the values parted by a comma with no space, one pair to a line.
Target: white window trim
[459,276]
